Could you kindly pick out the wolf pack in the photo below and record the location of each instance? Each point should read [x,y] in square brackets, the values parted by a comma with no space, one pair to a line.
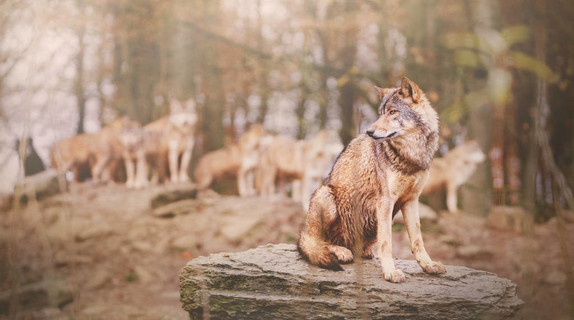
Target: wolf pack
[160,152]
[350,193]
[262,163]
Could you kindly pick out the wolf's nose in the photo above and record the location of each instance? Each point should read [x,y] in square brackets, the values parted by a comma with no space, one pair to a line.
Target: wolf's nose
[370,132]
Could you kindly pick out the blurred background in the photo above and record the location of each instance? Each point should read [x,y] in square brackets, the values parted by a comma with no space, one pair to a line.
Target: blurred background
[498,72]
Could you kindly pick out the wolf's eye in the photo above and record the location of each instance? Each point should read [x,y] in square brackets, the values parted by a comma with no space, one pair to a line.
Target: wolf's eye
[391,112]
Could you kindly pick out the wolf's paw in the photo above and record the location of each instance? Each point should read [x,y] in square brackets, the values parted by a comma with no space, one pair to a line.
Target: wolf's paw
[368,254]
[343,254]
[395,276]
[433,268]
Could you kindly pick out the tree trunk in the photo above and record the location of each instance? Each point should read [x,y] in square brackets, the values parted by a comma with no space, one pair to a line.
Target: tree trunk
[347,91]
[477,199]
[214,108]
[79,83]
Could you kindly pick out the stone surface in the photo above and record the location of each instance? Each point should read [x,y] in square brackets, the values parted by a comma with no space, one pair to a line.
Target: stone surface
[273,282]
[174,193]
[508,218]
[44,184]
[175,208]
[37,296]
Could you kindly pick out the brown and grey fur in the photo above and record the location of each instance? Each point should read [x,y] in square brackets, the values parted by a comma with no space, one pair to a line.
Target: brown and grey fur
[299,161]
[378,174]
[239,159]
[131,138]
[453,170]
[170,140]
[93,150]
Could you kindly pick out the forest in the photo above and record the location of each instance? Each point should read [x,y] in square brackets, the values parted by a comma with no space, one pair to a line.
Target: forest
[500,73]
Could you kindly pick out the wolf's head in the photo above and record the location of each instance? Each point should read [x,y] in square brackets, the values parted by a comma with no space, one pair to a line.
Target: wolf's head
[472,151]
[403,111]
[131,134]
[251,139]
[182,114]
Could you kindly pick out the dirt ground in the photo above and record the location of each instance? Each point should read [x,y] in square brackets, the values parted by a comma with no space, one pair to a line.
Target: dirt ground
[99,252]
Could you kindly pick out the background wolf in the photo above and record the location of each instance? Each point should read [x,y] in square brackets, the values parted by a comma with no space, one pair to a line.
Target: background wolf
[239,159]
[453,170]
[378,174]
[170,140]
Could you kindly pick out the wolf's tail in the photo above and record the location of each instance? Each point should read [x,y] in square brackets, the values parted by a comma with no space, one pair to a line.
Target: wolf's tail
[317,252]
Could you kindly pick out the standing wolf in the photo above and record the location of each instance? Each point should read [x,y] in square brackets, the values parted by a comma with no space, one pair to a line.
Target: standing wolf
[378,174]
[170,140]
[453,170]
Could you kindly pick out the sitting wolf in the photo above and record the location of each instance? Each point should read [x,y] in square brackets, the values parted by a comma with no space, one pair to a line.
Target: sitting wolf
[378,174]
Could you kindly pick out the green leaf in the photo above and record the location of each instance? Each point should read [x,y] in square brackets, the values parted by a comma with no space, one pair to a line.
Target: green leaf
[466,41]
[466,58]
[516,34]
[523,61]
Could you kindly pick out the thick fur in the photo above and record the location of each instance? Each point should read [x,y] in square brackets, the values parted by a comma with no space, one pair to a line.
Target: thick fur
[170,141]
[453,170]
[302,161]
[378,174]
[131,138]
[239,159]
[95,151]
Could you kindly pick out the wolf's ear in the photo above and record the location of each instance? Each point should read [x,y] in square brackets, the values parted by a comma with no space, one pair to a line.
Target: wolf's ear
[175,105]
[381,91]
[190,104]
[410,89]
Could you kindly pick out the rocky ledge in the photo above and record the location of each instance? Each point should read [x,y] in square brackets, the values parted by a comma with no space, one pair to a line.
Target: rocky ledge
[273,282]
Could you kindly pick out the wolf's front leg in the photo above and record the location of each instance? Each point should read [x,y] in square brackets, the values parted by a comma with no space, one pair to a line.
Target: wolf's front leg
[172,161]
[129,170]
[413,224]
[385,242]
[185,160]
[141,170]
[451,198]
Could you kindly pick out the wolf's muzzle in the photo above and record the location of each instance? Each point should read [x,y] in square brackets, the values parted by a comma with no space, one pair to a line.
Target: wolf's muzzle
[378,136]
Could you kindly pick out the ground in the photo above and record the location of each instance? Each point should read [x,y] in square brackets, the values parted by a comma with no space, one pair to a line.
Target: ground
[100,252]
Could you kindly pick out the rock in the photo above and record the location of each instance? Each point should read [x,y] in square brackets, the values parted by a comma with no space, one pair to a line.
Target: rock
[38,296]
[236,227]
[175,208]
[555,277]
[174,193]
[514,219]
[185,242]
[426,213]
[96,231]
[63,258]
[568,216]
[99,279]
[44,184]
[472,252]
[143,274]
[274,282]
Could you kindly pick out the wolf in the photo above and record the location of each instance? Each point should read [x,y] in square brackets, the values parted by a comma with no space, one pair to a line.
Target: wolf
[239,159]
[299,161]
[131,138]
[453,170]
[378,174]
[92,150]
[171,139]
